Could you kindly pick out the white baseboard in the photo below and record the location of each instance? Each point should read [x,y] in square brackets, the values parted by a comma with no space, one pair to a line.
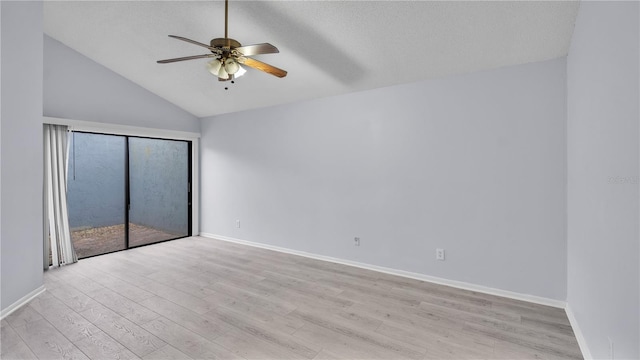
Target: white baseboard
[582,342]
[25,299]
[406,274]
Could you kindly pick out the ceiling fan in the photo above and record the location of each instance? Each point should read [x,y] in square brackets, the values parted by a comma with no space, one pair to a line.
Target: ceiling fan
[228,54]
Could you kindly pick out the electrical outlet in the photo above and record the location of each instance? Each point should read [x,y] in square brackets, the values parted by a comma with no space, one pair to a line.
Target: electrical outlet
[440,254]
[356,240]
[238,224]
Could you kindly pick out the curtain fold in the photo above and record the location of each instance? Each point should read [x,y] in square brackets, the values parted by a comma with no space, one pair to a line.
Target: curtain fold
[57,238]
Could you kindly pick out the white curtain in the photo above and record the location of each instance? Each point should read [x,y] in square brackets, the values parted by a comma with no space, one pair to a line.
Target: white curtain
[57,235]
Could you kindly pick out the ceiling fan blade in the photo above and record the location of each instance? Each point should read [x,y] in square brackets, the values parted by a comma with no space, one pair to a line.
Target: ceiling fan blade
[257,49]
[192,41]
[259,65]
[186,58]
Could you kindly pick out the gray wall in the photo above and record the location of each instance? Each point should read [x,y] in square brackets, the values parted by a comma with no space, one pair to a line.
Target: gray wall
[474,164]
[76,87]
[603,253]
[96,181]
[159,184]
[21,166]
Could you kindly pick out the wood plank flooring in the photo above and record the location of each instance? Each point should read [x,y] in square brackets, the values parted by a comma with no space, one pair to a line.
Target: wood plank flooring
[198,298]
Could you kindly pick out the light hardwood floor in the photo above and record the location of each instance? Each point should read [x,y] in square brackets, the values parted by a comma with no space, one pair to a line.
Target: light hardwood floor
[202,299]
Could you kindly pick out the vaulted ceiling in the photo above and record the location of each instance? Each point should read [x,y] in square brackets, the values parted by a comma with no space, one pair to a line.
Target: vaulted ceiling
[328,47]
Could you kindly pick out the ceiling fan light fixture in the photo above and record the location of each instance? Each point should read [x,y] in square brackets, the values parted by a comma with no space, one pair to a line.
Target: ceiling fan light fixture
[231,66]
[241,71]
[214,66]
[222,73]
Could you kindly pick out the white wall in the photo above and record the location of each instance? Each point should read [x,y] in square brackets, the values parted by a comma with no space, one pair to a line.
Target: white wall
[603,254]
[76,87]
[474,164]
[21,167]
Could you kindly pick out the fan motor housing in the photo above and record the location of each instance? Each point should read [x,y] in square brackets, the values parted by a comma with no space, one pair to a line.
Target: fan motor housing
[225,43]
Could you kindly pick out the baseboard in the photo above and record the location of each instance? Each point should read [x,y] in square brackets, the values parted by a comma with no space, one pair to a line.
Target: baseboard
[582,342]
[406,274]
[25,299]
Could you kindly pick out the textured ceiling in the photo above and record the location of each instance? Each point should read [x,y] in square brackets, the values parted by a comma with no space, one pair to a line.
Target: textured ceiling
[328,47]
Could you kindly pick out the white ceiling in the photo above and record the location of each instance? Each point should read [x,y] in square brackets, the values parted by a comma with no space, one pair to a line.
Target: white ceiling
[328,47]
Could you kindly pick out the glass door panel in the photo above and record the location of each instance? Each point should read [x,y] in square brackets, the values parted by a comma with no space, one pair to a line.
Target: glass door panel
[159,202]
[96,193]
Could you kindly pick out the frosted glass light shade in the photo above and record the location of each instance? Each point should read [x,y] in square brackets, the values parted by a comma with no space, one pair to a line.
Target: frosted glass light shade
[231,66]
[222,74]
[241,71]
[214,66]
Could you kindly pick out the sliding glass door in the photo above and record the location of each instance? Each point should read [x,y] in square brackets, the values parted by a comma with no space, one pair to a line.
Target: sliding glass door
[126,191]
[96,193]
[159,190]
